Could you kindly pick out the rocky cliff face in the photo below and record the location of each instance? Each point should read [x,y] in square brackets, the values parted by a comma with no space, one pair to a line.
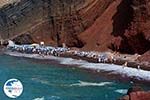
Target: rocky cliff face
[18,18]
[121,25]
[124,27]
[133,27]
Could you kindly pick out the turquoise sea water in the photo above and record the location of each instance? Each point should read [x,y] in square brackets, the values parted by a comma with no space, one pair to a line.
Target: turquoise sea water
[44,80]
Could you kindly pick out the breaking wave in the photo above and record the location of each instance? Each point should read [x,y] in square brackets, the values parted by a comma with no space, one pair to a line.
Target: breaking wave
[40,81]
[49,98]
[42,98]
[81,83]
[116,69]
[53,98]
[121,91]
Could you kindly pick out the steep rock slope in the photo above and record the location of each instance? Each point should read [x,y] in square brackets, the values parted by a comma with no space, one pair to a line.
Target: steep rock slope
[98,36]
[134,35]
[124,27]
[119,25]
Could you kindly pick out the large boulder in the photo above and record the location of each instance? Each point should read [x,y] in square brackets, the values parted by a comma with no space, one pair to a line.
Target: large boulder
[145,57]
[136,93]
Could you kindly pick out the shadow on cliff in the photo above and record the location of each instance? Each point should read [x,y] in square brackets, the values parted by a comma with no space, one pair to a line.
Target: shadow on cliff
[122,42]
[121,22]
[122,18]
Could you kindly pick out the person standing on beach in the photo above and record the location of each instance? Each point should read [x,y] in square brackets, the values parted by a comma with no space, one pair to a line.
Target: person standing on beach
[99,59]
[125,64]
[138,67]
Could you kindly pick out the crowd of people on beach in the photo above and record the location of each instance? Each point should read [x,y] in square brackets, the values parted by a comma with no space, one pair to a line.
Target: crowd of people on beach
[43,50]
[37,49]
[101,57]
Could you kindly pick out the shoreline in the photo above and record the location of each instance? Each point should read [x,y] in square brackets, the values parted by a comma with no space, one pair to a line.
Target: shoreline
[119,61]
[90,56]
[112,71]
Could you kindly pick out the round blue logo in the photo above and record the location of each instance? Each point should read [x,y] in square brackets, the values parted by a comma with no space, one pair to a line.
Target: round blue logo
[13,88]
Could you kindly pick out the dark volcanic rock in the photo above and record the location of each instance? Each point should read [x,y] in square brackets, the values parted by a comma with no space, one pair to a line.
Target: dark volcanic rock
[23,39]
[134,89]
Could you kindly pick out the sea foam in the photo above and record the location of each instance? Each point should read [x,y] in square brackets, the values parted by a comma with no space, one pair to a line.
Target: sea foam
[114,69]
[40,81]
[81,83]
[121,91]
[48,98]
[42,98]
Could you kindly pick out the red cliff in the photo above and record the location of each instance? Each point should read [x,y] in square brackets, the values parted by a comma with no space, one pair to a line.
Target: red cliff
[101,25]
[136,93]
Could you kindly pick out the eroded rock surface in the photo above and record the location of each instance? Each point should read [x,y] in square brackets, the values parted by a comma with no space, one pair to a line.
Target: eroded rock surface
[119,25]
